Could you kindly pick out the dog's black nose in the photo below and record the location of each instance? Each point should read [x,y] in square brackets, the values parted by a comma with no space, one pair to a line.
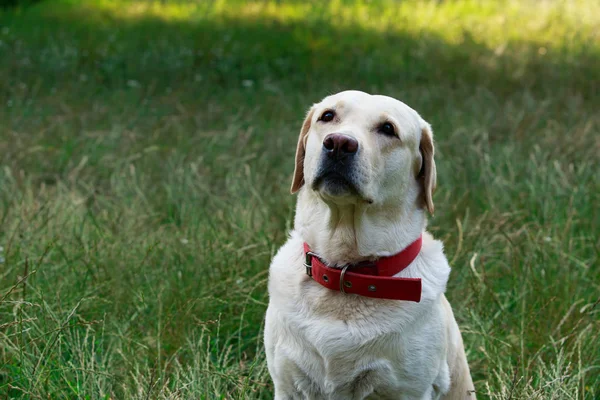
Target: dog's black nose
[339,146]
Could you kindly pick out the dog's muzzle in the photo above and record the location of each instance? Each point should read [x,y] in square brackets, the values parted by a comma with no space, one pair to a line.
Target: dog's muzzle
[335,174]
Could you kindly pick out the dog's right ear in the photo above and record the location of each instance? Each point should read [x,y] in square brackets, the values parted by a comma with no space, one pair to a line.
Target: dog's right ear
[298,179]
[427,175]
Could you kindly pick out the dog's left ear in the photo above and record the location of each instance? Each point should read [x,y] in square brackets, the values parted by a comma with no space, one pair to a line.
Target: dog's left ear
[427,176]
[298,179]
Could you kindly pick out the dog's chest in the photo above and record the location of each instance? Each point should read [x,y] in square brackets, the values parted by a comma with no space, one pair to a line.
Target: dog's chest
[356,358]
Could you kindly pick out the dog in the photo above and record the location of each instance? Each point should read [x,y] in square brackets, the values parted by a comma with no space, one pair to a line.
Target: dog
[356,295]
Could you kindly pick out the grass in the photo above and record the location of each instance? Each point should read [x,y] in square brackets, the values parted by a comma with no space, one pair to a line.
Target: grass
[147,153]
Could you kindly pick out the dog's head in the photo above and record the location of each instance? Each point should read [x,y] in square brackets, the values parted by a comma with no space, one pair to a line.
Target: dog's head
[360,148]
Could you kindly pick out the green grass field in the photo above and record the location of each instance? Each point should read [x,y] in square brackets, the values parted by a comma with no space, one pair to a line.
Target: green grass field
[146,152]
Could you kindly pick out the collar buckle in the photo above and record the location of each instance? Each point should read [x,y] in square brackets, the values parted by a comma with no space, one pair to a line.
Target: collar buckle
[342,281]
[308,263]
[348,284]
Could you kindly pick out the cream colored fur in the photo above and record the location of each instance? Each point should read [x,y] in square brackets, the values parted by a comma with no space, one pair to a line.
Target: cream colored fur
[322,344]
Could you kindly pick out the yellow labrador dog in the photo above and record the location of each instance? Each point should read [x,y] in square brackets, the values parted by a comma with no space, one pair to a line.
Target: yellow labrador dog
[357,307]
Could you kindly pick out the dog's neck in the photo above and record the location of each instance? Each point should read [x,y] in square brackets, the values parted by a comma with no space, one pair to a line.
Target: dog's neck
[344,234]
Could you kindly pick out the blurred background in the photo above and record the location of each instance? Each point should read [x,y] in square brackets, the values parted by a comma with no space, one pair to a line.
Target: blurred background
[146,152]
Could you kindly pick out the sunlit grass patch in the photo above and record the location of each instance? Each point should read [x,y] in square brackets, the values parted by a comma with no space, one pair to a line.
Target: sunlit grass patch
[503,45]
[553,23]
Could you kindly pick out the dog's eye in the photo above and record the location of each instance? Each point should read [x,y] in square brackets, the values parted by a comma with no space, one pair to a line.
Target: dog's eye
[387,129]
[327,116]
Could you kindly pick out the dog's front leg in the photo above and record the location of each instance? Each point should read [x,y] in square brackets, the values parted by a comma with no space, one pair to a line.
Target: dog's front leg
[287,395]
[295,385]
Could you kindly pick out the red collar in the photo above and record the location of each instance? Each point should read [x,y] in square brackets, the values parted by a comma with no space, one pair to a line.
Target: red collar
[370,279]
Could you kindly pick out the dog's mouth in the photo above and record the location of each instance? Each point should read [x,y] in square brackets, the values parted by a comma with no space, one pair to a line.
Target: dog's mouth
[335,184]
